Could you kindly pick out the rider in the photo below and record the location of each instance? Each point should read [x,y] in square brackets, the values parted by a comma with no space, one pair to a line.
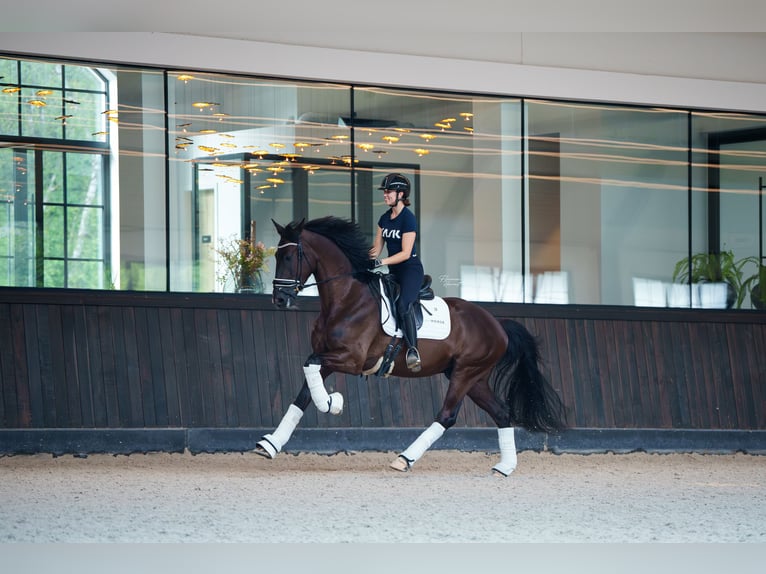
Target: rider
[397,227]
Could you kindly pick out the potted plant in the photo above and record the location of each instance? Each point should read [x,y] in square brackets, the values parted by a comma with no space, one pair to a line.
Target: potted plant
[244,261]
[715,268]
[757,286]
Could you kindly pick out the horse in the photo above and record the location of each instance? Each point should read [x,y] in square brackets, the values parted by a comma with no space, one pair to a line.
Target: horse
[495,363]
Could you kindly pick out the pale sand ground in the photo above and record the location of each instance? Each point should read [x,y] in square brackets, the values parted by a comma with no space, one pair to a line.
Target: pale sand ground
[449,496]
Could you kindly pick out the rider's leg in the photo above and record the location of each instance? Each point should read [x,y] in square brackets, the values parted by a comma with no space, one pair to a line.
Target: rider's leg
[410,278]
[410,331]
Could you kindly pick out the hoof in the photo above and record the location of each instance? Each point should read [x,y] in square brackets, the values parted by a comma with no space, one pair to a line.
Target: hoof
[504,473]
[400,464]
[336,404]
[265,448]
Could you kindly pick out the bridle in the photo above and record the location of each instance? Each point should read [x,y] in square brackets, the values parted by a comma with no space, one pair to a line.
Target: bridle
[291,287]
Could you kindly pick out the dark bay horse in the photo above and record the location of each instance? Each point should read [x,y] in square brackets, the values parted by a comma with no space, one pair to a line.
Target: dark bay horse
[494,363]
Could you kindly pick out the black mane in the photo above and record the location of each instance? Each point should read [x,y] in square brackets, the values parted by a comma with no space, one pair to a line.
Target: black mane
[347,235]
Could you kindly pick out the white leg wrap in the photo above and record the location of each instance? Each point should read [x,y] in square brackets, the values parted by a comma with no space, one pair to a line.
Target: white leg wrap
[507,440]
[423,443]
[273,443]
[324,402]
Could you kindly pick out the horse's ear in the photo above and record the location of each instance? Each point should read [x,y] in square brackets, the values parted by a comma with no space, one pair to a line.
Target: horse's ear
[280,229]
[300,225]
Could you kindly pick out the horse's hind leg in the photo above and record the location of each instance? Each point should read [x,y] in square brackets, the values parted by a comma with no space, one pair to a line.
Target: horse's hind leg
[485,399]
[445,419]
[271,444]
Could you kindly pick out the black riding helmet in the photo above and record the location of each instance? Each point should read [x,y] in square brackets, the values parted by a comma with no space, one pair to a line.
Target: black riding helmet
[396,182]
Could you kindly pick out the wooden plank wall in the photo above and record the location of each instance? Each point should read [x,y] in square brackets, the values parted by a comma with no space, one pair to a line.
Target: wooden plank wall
[121,360]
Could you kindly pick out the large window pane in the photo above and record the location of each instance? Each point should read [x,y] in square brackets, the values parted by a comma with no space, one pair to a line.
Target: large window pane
[607,202]
[138,181]
[247,151]
[461,154]
[102,201]
[728,212]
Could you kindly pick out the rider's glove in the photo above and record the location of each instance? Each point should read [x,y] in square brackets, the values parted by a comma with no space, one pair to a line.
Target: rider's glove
[375,263]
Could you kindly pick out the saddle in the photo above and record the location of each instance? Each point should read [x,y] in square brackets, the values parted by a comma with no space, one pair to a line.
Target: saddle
[392,291]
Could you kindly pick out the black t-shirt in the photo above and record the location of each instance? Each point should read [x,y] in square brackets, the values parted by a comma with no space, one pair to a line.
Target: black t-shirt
[394,229]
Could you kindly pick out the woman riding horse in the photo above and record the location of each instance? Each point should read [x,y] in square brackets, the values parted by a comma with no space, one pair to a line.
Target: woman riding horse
[398,229]
[494,363]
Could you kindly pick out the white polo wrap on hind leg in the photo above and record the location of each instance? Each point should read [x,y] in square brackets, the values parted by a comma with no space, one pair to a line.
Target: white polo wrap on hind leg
[507,439]
[324,402]
[423,443]
[273,443]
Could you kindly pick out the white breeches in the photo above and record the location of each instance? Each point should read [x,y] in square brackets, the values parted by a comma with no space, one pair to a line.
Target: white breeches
[507,440]
[332,403]
[423,442]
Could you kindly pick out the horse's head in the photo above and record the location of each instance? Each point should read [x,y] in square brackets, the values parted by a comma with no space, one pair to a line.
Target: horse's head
[292,268]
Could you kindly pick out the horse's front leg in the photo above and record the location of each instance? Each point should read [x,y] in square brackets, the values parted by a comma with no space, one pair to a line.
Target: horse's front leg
[313,389]
[271,444]
[315,375]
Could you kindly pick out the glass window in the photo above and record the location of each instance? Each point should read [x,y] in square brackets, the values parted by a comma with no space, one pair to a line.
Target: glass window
[517,200]
[247,151]
[83,78]
[9,97]
[101,196]
[462,156]
[18,195]
[607,202]
[727,246]
[84,116]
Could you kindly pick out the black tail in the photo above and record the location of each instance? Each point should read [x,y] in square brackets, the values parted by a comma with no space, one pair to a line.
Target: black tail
[517,381]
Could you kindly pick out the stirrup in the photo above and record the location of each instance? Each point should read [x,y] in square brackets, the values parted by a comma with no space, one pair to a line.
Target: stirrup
[413,359]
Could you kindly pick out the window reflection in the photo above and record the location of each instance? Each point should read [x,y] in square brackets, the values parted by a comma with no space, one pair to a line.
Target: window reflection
[530,201]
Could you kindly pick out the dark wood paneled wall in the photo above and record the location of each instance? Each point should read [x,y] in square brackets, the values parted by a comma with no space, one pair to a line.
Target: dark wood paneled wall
[80,359]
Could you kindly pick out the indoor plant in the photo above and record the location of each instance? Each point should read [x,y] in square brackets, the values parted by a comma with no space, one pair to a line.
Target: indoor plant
[244,260]
[716,268]
[757,286]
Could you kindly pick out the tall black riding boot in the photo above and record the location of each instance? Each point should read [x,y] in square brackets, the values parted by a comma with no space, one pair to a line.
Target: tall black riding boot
[410,331]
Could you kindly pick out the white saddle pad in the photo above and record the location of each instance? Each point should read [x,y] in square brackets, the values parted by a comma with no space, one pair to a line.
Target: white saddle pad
[436,319]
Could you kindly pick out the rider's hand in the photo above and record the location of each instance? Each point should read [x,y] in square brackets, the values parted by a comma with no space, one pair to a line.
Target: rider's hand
[375,263]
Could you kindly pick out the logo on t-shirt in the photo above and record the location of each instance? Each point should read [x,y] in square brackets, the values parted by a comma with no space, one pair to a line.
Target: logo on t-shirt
[392,233]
